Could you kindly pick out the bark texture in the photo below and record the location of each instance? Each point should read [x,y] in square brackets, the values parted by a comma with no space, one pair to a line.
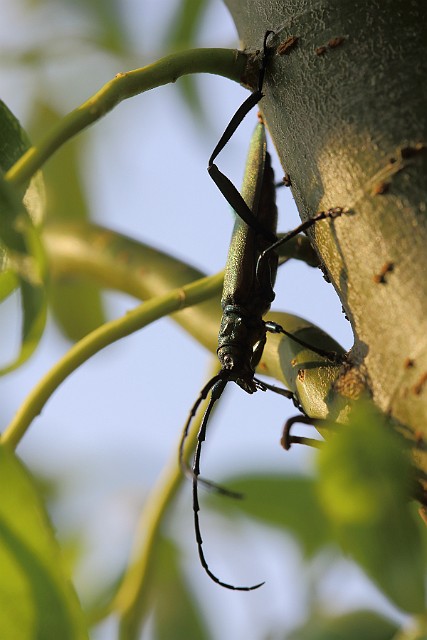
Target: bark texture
[346,106]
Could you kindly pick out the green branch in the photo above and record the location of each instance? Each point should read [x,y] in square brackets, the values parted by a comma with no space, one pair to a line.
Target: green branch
[228,63]
[102,337]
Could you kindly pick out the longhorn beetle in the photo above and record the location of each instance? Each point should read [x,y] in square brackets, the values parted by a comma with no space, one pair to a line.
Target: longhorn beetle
[249,278]
[263,224]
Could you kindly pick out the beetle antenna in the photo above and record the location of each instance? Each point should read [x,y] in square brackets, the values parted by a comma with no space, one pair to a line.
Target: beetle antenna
[202,396]
[181,459]
[217,390]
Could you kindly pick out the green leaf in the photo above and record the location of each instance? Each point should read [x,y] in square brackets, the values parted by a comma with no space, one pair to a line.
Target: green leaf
[290,502]
[8,279]
[108,28]
[365,485]
[14,142]
[185,23]
[37,600]
[22,258]
[357,625]
[184,27]
[176,614]
[77,306]
[13,139]
[25,265]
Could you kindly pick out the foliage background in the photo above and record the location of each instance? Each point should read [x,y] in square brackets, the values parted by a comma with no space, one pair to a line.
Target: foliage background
[107,433]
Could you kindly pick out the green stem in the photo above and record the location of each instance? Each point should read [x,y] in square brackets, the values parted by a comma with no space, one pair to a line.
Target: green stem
[103,336]
[224,62]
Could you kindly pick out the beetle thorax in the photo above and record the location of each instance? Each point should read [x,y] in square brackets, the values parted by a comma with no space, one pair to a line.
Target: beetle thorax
[239,345]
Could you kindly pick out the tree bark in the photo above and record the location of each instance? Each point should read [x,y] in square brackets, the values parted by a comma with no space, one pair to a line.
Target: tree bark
[345,104]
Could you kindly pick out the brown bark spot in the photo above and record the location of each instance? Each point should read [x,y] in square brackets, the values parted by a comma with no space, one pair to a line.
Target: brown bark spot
[380,188]
[419,386]
[335,42]
[319,51]
[285,47]
[380,278]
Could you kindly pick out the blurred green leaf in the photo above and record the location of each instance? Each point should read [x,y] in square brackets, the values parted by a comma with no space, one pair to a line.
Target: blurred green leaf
[22,258]
[108,24]
[185,24]
[289,502]
[413,631]
[37,600]
[33,302]
[184,27]
[187,86]
[365,485]
[357,625]
[176,614]
[77,306]
[8,279]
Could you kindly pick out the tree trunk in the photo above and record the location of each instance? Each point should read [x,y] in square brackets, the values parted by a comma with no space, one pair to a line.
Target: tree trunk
[345,104]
